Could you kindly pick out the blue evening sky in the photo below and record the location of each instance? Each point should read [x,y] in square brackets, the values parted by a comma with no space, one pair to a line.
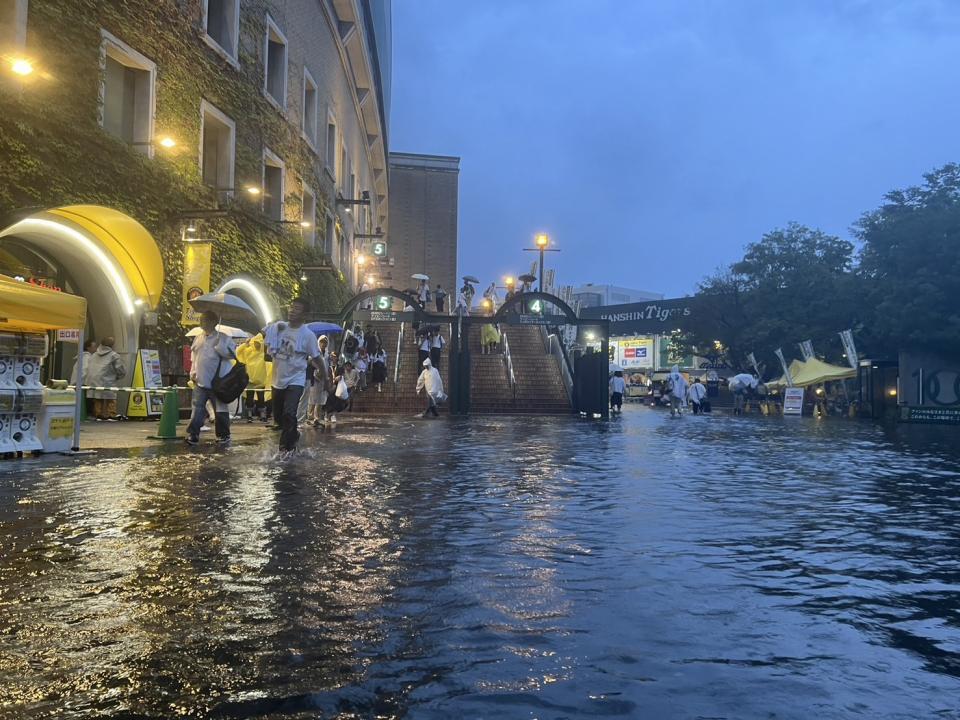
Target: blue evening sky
[653,140]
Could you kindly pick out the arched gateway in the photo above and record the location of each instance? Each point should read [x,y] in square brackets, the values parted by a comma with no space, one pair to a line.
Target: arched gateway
[98,253]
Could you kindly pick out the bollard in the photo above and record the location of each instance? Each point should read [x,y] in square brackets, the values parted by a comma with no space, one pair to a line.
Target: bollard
[168,418]
[83,403]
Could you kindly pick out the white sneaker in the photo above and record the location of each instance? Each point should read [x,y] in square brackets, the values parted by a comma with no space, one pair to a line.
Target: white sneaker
[205,428]
[333,418]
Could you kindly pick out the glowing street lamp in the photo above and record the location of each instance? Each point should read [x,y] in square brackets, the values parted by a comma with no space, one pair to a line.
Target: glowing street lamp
[542,243]
[22,67]
[168,142]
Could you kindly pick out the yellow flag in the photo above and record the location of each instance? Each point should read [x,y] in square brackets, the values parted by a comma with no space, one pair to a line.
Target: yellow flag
[196,278]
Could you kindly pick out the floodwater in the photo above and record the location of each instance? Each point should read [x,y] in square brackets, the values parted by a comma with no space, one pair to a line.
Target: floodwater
[703,567]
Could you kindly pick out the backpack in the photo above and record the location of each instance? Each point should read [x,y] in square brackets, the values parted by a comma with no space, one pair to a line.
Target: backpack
[231,386]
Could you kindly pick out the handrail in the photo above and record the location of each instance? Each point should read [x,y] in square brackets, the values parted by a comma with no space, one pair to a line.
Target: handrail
[396,362]
[556,349]
[509,359]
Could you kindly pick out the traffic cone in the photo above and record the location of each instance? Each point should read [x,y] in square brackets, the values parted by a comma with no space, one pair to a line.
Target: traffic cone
[168,418]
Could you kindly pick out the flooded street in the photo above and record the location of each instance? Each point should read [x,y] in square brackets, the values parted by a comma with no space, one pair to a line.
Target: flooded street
[705,567]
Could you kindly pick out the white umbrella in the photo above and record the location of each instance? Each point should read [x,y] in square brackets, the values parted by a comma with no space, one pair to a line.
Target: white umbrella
[615,368]
[225,329]
[227,306]
[420,276]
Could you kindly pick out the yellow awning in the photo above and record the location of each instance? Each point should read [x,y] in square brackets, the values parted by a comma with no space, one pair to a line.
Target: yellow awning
[29,308]
[128,242]
[813,372]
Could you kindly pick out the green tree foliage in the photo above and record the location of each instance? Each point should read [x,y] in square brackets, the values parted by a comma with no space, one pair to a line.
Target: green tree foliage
[910,265]
[794,284]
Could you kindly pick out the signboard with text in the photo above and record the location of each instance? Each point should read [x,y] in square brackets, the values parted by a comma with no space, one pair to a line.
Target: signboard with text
[793,401]
[926,414]
[633,352]
[68,336]
[652,317]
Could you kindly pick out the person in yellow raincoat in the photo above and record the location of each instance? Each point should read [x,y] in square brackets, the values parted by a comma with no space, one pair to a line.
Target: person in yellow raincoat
[489,339]
[251,354]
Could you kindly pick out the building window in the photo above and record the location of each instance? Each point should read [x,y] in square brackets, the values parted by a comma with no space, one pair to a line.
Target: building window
[309,108]
[343,170]
[331,149]
[275,65]
[329,236]
[13,25]
[308,217]
[272,186]
[128,90]
[221,22]
[217,146]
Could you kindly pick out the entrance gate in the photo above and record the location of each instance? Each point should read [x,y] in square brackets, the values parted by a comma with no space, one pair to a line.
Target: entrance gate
[586,373]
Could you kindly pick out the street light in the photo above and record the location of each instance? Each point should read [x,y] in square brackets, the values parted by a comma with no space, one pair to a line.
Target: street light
[542,242]
[22,67]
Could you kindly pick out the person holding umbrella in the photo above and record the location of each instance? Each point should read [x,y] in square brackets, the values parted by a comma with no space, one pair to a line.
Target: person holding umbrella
[210,357]
[292,346]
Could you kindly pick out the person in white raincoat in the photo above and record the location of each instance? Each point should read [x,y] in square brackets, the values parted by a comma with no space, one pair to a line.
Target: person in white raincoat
[741,385]
[431,381]
[678,391]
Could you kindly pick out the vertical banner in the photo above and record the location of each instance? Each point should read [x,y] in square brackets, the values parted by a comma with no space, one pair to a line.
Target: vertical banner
[846,337]
[783,363]
[196,278]
[806,350]
[752,359]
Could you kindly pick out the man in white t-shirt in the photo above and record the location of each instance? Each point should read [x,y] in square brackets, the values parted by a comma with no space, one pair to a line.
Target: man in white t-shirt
[292,346]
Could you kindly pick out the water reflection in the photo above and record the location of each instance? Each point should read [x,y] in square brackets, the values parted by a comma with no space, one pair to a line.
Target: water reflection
[647,567]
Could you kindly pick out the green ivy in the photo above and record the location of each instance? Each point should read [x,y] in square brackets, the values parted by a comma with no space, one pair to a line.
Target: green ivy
[55,152]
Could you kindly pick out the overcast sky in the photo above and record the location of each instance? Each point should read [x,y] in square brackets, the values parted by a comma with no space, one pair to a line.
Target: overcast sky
[653,140]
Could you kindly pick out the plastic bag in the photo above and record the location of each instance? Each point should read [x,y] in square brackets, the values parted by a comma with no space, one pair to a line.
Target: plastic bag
[342,392]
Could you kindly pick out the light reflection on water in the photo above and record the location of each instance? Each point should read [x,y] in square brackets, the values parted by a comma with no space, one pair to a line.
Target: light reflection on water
[649,567]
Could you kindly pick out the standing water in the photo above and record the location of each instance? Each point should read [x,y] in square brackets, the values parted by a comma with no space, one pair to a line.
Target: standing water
[704,567]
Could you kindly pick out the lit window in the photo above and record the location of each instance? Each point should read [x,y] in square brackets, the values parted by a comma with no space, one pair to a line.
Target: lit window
[308,217]
[127,87]
[331,149]
[221,22]
[217,147]
[13,24]
[273,170]
[275,64]
[309,108]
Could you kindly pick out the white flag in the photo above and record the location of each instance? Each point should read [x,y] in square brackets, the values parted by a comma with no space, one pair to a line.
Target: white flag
[783,363]
[806,349]
[846,337]
[752,359]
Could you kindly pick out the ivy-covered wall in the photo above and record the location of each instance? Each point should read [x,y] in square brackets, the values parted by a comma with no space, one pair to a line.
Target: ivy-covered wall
[54,152]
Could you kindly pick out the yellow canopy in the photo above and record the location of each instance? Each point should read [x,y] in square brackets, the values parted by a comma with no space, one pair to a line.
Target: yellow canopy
[813,372]
[29,308]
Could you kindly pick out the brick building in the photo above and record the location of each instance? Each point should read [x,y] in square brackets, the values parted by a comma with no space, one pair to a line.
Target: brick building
[423,219]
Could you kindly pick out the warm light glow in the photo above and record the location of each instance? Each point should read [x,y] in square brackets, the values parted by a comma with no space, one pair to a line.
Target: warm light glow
[305,224]
[118,279]
[892,392]
[591,336]
[253,190]
[191,228]
[371,279]
[303,277]
[22,67]
[361,260]
[542,240]
[508,280]
[819,391]
[168,142]
[486,304]
[262,305]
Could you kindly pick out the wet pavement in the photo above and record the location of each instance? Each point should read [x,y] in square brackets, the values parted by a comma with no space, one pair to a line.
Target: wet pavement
[702,567]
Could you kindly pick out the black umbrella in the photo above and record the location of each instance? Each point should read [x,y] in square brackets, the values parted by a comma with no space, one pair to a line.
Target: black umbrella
[527,278]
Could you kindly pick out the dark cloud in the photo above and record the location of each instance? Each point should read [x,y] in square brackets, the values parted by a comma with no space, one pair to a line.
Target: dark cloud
[653,140]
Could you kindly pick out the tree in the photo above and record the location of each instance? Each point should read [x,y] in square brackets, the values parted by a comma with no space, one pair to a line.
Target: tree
[794,284]
[910,265]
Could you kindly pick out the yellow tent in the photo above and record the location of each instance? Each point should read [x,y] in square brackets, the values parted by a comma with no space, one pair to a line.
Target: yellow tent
[30,308]
[813,372]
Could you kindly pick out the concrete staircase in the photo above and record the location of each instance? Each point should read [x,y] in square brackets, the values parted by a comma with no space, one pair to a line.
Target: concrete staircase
[539,390]
[405,400]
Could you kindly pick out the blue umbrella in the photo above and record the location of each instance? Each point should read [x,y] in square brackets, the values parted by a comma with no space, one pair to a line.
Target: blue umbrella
[324,328]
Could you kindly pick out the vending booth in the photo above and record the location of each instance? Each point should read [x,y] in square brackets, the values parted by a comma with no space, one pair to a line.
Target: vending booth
[34,418]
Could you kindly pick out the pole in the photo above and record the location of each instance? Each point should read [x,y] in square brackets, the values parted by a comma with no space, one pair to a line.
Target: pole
[541,269]
[78,399]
